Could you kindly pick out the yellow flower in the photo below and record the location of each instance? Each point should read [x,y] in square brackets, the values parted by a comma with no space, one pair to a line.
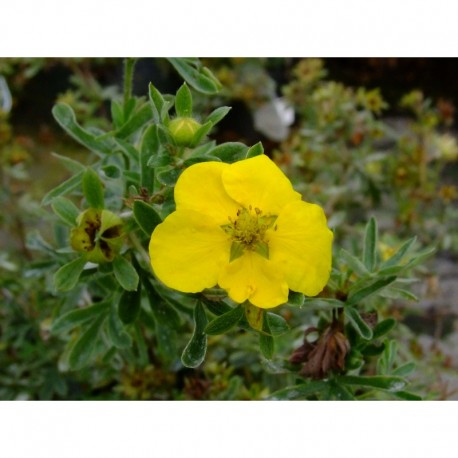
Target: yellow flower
[242,226]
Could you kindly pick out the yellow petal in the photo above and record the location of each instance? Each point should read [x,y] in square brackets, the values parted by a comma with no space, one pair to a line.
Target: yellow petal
[260,183]
[200,188]
[187,251]
[253,278]
[302,247]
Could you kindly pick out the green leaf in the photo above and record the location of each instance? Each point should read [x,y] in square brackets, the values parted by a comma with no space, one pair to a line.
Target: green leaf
[183,101]
[230,151]
[125,273]
[93,189]
[194,353]
[266,341]
[218,308]
[163,312]
[200,78]
[340,392]
[77,317]
[166,339]
[129,305]
[63,188]
[117,114]
[276,324]
[160,160]
[138,120]
[370,245]
[404,370]
[169,177]
[157,102]
[391,384]
[399,255]
[83,349]
[65,116]
[217,115]
[384,327]
[119,337]
[225,322]
[149,148]
[321,303]
[358,323]
[67,276]
[70,164]
[146,216]
[358,296]
[111,171]
[301,391]
[407,396]
[255,150]
[354,263]
[201,133]
[66,210]
[399,293]
[295,299]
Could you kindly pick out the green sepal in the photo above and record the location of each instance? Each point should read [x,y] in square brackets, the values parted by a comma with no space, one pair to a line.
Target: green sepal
[262,248]
[255,150]
[183,101]
[236,251]
[254,316]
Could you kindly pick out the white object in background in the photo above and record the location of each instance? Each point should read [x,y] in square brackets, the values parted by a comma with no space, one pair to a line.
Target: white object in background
[274,118]
[6,102]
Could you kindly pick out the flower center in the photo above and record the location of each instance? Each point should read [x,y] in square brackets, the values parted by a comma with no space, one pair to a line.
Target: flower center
[248,232]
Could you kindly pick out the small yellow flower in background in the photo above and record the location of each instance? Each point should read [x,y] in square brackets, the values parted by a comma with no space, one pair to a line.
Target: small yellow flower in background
[243,227]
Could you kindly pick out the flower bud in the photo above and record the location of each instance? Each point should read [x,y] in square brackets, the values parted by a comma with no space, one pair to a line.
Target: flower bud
[183,130]
[98,234]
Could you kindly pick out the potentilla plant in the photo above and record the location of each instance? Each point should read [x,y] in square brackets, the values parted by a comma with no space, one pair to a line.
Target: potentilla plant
[171,236]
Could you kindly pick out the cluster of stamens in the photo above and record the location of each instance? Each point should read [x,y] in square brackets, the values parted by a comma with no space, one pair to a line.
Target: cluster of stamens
[248,231]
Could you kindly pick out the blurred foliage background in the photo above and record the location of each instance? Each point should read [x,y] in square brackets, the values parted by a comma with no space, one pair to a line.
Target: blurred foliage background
[361,137]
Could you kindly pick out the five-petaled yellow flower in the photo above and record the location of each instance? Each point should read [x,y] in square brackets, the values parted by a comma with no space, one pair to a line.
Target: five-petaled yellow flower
[243,227]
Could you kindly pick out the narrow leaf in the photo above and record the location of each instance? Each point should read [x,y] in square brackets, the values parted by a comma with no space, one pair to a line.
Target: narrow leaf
[358,323]
[397,257]
[67,276]
[276,324]
[225,322]
[83,349]
[157,102]
[230,151]
[136,121]
[149,147]
[66,210]
[200,78]
[301,391]
[77,317]
[217,115]
[384,327]
[129,305]
[93,189]
[370,245]
[194,353]
[358,296]
[146,216]
[65,116]
[125,273]
[119,337]
[354,263]
[266,341]
[63,188]
[386,383]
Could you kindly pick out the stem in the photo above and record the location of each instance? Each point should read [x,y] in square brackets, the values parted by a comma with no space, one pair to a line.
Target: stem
[129,64]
